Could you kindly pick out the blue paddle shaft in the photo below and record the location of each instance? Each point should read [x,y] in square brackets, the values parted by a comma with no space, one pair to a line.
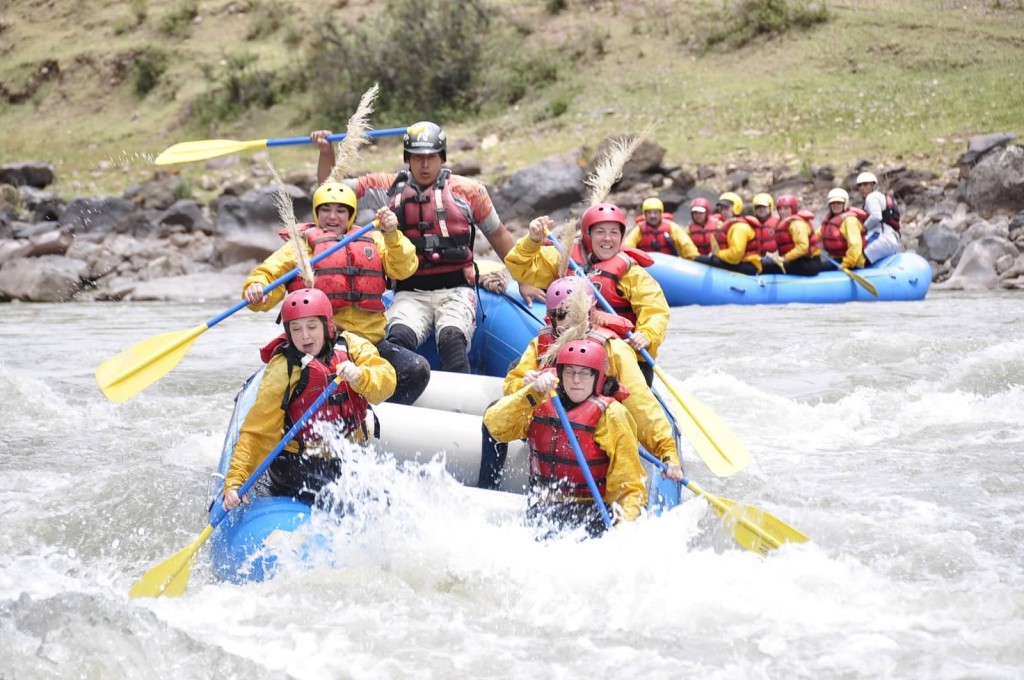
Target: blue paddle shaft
[337,137]
[220,513]
[581,460]
[292,274]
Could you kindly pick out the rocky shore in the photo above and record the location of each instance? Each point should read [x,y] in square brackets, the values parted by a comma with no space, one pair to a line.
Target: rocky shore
[151,244]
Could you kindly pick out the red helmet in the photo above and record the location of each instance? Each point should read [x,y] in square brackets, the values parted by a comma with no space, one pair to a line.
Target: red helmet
[559,291]
[787,199]
[602,212]
[588,353]
[701,203]
[307,302]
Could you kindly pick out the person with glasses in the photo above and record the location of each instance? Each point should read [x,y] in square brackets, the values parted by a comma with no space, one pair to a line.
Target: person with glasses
[571,310]
[616,270]
[560,497]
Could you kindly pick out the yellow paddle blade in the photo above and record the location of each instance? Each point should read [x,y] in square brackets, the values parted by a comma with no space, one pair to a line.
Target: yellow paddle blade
[753,528]
[123,376]
[170,577]
[868,286]
[722,452]
[190,152]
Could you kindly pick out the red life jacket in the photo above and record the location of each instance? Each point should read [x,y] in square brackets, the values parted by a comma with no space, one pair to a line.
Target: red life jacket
[353,275]
[832,239]
[606,275]
[656,239]
[766,234]
[345,406]
[439,223]
[553,463]
[701,235]
[891,214]
[784,239]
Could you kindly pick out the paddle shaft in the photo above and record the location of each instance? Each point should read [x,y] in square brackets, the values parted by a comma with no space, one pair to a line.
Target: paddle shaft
[293,273]
[336,137]
[864,283]
[570,434]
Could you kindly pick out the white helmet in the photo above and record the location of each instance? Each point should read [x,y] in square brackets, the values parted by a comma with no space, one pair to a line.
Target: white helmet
[838,195]
[867,177]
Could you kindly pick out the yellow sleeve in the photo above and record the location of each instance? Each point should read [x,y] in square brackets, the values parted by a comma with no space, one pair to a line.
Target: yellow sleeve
[280,262]
[851,229]
[529,361]
[684,244]
[649,304]
[632,238]
[653,426]
[532,263]
[377,379]
[263,426]
[509,418]
[398,254]
[626,482]
[799,231]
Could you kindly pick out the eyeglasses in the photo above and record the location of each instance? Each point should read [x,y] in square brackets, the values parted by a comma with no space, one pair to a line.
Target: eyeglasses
[558,314]
[576,373]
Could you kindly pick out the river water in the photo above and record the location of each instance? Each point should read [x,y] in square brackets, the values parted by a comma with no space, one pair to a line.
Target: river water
[889,433]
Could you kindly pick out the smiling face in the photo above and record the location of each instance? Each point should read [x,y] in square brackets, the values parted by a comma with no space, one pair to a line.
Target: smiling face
[333,217]
[606,239]
[307,335]
[578,382]
[425,167]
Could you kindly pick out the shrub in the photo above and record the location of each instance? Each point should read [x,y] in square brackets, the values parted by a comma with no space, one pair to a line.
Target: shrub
[440,59]
[238,84]
[177,23]
[149,66]
[267,17]
[742,21]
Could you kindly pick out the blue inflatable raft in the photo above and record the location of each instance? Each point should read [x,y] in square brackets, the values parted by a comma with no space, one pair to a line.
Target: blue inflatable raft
[904,276]
[245,545]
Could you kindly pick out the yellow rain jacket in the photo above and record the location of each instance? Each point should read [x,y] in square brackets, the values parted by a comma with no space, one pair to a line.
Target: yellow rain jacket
[800,232]
[510,417]
[654,430]
[535,264]
[740,234]
[400,262]
[264,424]
[851,229]
[685,246]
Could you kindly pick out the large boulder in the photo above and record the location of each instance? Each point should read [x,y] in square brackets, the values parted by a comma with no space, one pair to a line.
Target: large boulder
[95,214]
[51,278]
[554,185]
[938,243]
[980,264]
[27,173]
[996,183]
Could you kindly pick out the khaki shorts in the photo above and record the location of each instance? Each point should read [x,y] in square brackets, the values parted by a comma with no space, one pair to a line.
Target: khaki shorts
[427,311]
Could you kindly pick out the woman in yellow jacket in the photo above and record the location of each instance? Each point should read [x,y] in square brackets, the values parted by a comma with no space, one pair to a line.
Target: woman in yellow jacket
[605,432]
[624,283]
[653,427]
[353,277]
[743,252]
[842,232]
[300,365]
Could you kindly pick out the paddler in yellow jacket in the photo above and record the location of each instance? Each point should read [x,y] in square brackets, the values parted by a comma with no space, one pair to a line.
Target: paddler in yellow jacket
[301,363]
[605,432]
[570,307]
[353,277]
[743,252]
[618,272]
[654,232]
[842,232]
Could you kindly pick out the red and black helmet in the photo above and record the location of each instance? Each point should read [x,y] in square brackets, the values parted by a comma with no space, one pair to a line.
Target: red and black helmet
[588,353]
[307,302]
[601,212]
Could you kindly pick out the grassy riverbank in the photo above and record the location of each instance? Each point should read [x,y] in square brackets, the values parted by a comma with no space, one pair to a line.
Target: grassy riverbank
[891,81]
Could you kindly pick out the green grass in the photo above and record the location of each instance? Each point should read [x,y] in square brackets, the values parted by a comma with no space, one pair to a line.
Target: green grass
[891,81]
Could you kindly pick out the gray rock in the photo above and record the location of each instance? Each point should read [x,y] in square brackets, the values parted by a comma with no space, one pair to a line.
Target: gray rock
[553,184]
[938,243]
[976,270]
[51,278]
[997,182]
[97,214]
[27,173]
